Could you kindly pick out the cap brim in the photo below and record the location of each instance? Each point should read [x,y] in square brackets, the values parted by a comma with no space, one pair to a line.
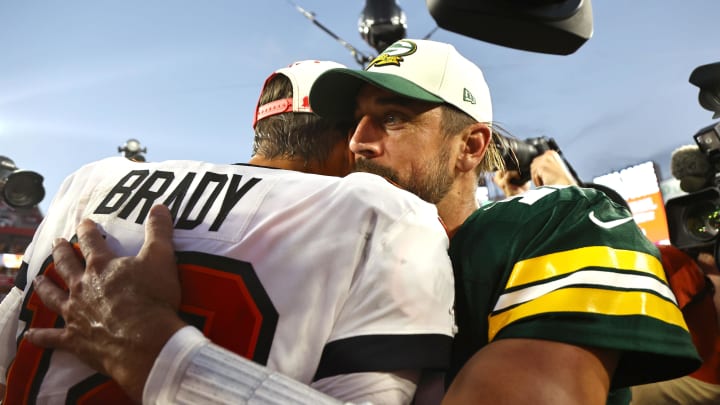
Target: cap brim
[333,93]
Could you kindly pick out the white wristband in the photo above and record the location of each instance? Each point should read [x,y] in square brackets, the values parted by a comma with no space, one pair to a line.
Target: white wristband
[191,370]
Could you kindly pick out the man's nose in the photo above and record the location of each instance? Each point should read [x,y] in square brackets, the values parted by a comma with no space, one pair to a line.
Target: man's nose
[366,140]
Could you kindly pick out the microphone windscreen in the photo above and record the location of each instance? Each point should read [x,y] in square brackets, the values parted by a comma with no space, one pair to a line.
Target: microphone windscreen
[689,165]
[691,184]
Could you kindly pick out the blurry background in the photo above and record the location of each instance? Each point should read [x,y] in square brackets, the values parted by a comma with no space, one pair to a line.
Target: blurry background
[78,78]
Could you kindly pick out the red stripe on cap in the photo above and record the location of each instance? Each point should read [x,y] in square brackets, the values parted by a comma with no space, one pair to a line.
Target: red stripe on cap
[274,108]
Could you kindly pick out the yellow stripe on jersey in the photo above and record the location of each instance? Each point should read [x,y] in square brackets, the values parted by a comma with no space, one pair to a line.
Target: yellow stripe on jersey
[556,264]
[591,300]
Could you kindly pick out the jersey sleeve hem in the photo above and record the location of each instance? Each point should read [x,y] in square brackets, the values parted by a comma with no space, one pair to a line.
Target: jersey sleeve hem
[651,350]
[383,353]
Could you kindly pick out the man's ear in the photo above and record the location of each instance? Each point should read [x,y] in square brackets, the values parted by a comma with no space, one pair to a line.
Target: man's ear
[476,138]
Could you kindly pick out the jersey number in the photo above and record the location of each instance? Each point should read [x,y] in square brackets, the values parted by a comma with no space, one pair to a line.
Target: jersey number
[220,296]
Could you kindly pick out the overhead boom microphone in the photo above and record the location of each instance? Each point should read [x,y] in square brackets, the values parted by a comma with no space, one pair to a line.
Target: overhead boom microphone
[557,27]
[360,57]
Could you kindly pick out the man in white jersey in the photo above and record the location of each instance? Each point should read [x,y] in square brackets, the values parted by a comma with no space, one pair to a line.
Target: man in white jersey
[340,283]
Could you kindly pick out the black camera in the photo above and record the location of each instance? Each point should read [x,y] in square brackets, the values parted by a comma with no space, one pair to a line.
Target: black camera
[518,155]
[20,188]
[133,150]
[381,23]
[707,78]
[694,219]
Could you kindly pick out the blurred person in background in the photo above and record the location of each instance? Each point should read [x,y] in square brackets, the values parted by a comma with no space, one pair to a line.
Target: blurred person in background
[503,179]
[549,169]
[545,169]
[695,281]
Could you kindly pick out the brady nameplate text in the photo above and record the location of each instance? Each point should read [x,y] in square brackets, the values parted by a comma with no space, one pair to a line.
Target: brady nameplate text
[145,188]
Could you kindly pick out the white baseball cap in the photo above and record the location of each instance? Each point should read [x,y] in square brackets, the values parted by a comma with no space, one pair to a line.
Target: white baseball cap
[302,75]
[419,69]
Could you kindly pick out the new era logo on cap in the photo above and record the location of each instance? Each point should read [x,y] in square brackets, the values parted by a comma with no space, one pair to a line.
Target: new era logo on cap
[467,96]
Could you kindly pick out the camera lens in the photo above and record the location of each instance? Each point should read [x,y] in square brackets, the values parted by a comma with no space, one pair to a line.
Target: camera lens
[702,221]
[23,189]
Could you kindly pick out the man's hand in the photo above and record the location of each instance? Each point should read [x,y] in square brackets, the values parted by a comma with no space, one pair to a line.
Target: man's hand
[119,311]
[549,169]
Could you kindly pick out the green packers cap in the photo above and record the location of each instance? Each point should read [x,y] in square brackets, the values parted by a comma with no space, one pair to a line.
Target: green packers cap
[419,69]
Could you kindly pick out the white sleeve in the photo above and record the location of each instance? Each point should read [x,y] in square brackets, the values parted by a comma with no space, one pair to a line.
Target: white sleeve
[9,312]
[375,388]
[192,370]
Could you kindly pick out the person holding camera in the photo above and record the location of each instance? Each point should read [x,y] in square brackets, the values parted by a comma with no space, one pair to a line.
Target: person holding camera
[506,179]
[548,168]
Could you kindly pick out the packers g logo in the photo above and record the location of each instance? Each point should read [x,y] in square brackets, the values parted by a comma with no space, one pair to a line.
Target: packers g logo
[393,55]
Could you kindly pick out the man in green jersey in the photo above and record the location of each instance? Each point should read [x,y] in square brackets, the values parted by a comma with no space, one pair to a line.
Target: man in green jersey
[560,297]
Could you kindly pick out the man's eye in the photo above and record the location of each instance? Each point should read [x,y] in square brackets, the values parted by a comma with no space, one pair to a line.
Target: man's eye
[391,118]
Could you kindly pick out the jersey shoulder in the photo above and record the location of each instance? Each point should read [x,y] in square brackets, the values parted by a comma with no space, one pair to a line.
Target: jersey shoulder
[379,194]
[554,219]
[544,200]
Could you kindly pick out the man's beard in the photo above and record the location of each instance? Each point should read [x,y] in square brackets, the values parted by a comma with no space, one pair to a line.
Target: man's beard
[431,183]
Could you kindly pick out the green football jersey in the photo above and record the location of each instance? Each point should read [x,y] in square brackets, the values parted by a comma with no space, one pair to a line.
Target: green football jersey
[567,264]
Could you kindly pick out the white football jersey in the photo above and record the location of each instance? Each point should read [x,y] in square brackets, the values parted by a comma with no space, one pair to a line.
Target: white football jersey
[313,276]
